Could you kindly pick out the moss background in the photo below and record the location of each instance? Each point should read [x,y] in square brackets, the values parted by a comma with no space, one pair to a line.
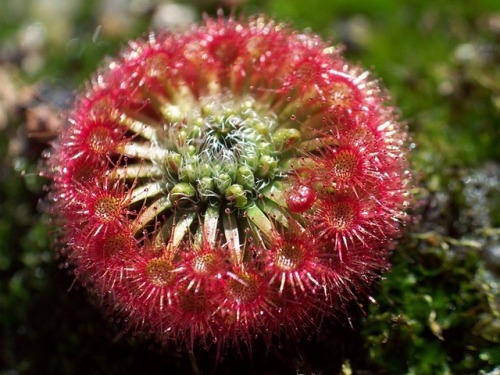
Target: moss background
[436,312]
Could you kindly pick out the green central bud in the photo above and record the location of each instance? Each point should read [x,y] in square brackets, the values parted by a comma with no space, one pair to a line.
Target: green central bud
[210,170]
[222,148]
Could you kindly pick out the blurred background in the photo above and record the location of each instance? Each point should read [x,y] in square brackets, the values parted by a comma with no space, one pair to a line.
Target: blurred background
[436,312]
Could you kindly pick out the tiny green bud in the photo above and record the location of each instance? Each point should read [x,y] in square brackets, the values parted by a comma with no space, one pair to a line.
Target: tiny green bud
[187,172]
[245,177]
[230,169]
[172,113]
[198,122]
[251,159]
[191,150]
[265,148]
[283,138]
[267,166]
[205,186]
[222,182]
[173,161]
[207,110]
[261,127]
[181,190]
[205,170]
[182,137]
[195,132]
[236,194]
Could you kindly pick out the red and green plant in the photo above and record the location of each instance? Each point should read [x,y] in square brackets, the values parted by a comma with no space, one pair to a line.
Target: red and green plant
[233,181]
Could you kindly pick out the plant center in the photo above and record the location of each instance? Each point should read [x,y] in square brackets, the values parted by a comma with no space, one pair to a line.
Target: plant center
[223,148]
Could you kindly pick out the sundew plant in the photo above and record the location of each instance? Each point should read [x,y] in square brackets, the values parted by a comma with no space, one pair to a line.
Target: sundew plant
[234,181]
